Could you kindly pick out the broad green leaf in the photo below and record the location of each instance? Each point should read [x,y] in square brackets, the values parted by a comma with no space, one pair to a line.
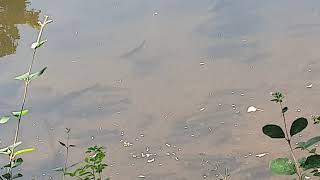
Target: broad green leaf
[312,161]
[4,119]
[282,166]
[298,125]
[17,176]
[23,77]
[285,109]
[310,142]
[23,151]
[35,75]
[273,131]
[17,114]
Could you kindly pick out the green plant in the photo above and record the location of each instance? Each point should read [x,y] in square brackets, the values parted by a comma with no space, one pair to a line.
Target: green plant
[92,166]
[286,166]
[67,146]
[10,151]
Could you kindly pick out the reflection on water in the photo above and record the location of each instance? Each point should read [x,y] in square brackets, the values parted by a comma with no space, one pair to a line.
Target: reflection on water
[13,13]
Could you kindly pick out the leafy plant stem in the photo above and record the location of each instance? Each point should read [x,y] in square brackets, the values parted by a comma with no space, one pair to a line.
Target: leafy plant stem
[288,138]
[11,157]
[67,155]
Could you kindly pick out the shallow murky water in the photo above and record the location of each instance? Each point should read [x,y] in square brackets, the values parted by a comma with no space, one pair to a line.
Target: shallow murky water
[172,78]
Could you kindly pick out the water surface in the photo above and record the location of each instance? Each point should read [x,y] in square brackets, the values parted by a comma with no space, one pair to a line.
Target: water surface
[175,77]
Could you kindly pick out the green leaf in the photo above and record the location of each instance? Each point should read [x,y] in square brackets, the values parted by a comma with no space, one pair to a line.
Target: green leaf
[312,161]
[23,77]
[316,119]
[62,144]
[273,131]
[282,166]
[316,174]
[17,114]
[23,151]
[17,162]
[59,169]
[7,176]
[310,142]
[302,161]
[298,125]
[7,149]
[313,150]
[27,78]
[36,45]
[17,176]
[278,97]
[4,119]
[35,75]
[285,109]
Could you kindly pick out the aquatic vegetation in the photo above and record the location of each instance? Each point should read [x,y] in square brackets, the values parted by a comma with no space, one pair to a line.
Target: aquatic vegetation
[13,154]
[290,166]
[92,166]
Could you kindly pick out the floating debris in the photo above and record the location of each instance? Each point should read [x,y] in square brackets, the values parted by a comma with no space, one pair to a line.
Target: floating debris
[202,63]
[150,160]
[142,176]
[148,155]
[204,176]
[261,155]
[127,144]
[141,135]
[309,86]
[253,109]
[168,145]
[155,13]
[202,109]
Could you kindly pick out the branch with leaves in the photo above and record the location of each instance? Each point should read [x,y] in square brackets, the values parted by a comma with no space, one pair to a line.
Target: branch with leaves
[27,77]
[286,166]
